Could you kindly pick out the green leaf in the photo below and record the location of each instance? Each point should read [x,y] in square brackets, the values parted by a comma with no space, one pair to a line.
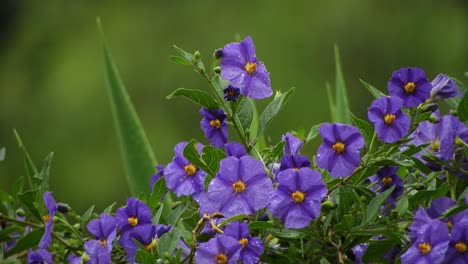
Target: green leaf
[323,260]
[287,233]
[377,249]
[8,230]
[188,56]
[314,131]
[108,210]
[137,156]
[462,109]
[233,218]
[402,205]
[341,98]
[157,216]
[219,84]
[30,199]
[208,162]
[394,160]
[452,210]
[272,110]
[2,154]
[18,187]
[422,117]
[28,241]
[199,97]
[260,225]
[159,190]
[176,213]
[28,163]
[85,217]
[245,113]
[145,257]
[43,177]
[374,206]
[169,241]
[421,197]
[366,129]
[374,91]
[331,102]
[180,60]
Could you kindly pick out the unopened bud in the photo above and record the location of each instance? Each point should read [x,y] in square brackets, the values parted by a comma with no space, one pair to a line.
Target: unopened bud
[20,212]
[328,205]
[196,55]
[433,119]
[218,53]
[217,69]
[63,208]
[453,112]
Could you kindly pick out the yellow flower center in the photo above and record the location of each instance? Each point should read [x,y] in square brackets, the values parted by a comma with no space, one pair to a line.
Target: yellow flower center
[409,87]
[298,196]
[338,147]
[133,221]
[215,123]
[103,242]
[190,169]
[238,186]
[389,118]
[296,168]
[148,247]
[424,247]
[243,242]
[449,224]
[250,67]
[46,218]
[386,180]
[221,258]
[461,247]
[435,145]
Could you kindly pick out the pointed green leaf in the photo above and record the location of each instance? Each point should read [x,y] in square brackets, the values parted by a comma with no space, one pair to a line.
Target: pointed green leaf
[366,129]
[219,83]
[245,113]
[180,60]
[199,97]
[313,133]
[188,56]
[28,241]
[108,210]
[331,102]
[144,257]
[377,249]
[374,91]
[169,241]
[85,217]
[374,206]
[272,110]
[30,199]
[176,213]
[28,163]
[341,103]
[138,158]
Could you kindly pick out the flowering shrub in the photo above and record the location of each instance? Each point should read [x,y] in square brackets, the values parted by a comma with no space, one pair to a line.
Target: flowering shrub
[390,190]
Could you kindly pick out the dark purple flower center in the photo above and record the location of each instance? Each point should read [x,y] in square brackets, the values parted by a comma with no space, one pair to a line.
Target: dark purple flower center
[461,247]
[190,169]
[298,196]
[221,258]
[409,87]
[386,180]
[250,67]
[215,123]
[425,247]
[238,186]
[338,147]
[133,220]
[243,242]
[389,118]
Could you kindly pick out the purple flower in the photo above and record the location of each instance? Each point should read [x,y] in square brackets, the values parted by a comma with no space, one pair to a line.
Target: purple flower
[430,244]
[183,177]
[74,259]
[221,249]
[411,85]
[390,123]
[386,177]
[252,247]
[420,220]
[441,137]
[240,187]
[443,87]
[160,173]
[240,66]
[294,162]
[215,127]
[231,93]
[147,235]
[297,199]
[358,252]
[440,205]
[104,230]
[51,206]
[293,144]
[457,250]
[40,256]
[235,149]
[340,151]
[136,213]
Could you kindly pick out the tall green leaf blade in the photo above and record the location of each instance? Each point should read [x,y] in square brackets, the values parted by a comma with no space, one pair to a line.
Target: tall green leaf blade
[374,91]
[341,103]
[31,169]
[245,113]
[138,158]
[374,206]
[331,102]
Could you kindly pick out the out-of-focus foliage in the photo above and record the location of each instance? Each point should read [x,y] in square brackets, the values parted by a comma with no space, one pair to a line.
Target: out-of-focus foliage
[53,92]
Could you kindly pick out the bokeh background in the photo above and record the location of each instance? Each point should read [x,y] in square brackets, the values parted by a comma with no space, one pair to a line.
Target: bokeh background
[53,89]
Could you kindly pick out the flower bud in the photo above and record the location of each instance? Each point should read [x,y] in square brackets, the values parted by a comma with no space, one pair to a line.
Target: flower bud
[217,69]
[433,119]
[328,205]
[63,208]
[218,53]
[196,55]
[20,212]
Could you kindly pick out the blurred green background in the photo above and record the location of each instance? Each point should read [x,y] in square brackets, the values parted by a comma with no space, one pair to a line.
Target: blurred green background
[53,90]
